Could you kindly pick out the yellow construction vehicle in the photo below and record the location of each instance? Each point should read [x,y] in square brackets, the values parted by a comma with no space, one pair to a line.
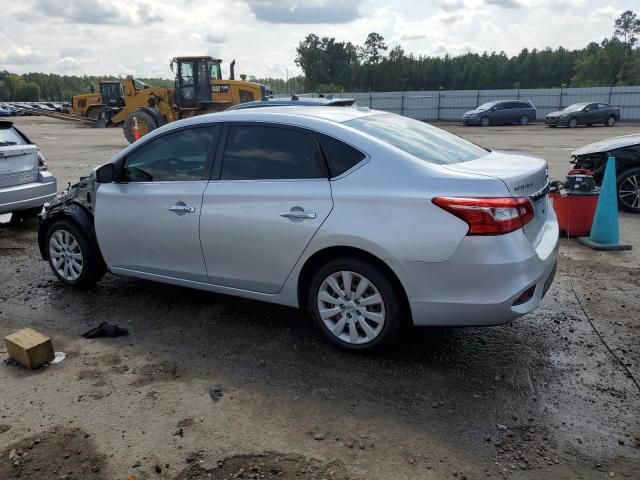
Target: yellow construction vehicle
[199,88]
[91,105]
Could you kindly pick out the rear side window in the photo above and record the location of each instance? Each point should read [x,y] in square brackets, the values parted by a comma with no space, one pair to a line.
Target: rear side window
[9,136]
[258,152]
[525,105]
[340,156]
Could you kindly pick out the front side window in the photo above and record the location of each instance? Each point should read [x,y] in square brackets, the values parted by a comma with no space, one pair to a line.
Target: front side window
[257,152]
[486,106]
[175,157]
[419,139]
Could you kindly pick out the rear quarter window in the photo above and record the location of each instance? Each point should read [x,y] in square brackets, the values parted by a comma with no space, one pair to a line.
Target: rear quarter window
[340,157]
[10,136]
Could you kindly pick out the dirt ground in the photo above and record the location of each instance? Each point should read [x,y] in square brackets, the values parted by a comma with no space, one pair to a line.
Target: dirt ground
[209,386]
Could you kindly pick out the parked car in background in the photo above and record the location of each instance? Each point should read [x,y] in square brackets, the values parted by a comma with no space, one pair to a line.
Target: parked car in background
[56,106]
[501,112]
[367,218]
[296,101]
[25,183]
[6,111]
[626,150]
[584,114]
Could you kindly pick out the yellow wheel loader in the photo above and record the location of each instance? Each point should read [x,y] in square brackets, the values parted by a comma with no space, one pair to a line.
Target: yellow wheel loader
[199,89]
[91,105]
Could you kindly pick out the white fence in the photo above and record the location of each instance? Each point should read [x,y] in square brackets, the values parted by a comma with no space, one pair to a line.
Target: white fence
[451,104]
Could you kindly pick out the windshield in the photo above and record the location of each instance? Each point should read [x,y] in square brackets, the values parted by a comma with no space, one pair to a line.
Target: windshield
[486,106]
[419,139]
[575,107]
[8,136]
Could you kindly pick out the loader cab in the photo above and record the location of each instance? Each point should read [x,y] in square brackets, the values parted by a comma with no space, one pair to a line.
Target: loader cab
[193,81]
[112,94]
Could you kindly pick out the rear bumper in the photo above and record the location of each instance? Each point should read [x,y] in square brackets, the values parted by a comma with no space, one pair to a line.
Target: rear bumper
[29,195]
[479,284]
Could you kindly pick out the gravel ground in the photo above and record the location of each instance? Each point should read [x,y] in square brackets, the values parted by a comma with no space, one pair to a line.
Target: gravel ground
[209,386]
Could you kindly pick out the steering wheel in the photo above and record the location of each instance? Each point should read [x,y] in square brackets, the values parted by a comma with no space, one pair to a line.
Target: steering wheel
[172,163]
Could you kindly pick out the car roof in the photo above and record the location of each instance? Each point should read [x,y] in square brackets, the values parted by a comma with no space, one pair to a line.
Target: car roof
[296,101]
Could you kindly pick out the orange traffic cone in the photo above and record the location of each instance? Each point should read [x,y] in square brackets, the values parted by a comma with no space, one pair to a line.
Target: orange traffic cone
[136,131]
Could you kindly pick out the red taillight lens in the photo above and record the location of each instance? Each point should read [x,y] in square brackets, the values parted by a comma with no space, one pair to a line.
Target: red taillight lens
[489,216]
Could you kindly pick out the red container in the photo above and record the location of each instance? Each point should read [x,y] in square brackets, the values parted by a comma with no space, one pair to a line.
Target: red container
[575,212]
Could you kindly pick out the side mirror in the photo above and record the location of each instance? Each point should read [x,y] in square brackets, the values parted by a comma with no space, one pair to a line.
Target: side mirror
[106,173]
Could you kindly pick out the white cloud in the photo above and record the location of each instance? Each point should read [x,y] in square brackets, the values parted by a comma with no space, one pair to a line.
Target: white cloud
[21,55]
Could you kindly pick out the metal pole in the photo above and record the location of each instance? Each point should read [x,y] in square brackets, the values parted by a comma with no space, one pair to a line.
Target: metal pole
[438,115]
[610,91]
[518,93]
[402,104]
[370,99]
[560,100]
[478,98]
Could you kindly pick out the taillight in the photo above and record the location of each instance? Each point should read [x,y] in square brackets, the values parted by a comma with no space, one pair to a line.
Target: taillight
[489,216]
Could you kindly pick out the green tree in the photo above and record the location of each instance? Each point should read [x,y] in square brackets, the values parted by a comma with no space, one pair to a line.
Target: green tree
[626,27]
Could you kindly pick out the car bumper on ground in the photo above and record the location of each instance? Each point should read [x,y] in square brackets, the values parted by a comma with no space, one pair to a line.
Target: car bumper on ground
[484,281]
[28,195]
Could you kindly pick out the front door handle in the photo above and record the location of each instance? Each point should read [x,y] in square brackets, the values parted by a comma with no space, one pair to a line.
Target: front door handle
[181,208]
[298,214]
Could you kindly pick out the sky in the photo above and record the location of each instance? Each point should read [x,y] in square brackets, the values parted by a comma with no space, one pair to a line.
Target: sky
[139,37]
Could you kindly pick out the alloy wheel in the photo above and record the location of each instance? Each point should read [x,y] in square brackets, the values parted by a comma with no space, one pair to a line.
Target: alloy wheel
[351,307]
[573,123]
[611,121]
[629,191]
[66,256]
[524,120]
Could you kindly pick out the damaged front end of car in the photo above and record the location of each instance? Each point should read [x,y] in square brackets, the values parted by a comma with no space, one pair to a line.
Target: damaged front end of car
[76,204]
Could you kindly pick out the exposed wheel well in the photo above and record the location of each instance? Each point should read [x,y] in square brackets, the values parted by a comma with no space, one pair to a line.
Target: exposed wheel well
[321,257]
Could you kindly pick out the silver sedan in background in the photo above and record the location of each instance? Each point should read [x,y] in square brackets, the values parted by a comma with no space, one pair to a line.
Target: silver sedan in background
[368,219]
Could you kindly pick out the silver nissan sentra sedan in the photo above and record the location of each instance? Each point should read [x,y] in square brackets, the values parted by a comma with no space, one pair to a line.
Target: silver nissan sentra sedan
[368,219]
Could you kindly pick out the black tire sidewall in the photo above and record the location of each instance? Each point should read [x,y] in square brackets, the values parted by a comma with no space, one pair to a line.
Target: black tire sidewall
[90,269]
[127,126]
[610,124]
[526,122]
[393,308]
[621,178]
[482,122]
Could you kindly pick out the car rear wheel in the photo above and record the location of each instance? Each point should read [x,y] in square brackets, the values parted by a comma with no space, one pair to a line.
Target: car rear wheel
[485,121]
[629,190]
[355,305]
[573,123]
[611,121]
[524,120]
[70,255]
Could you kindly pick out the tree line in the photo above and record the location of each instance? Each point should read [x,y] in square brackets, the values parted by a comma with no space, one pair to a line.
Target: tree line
[33,87]
[333,66]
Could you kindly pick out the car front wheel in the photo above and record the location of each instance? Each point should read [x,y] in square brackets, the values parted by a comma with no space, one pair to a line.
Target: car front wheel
[573,123]
[611,121]
[70,255]
[629,190]
[485,121]
[355,305]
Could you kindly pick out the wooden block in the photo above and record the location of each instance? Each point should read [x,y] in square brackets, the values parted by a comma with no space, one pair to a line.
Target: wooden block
[29,348]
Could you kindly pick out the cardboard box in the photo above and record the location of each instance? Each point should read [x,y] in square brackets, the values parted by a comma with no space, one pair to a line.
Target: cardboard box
[29,348]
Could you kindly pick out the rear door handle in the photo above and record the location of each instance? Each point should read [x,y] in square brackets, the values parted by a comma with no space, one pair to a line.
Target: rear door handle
[297,214]
[181,208]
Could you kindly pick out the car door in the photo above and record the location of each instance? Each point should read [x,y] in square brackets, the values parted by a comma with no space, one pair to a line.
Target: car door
[604,111]
[269,196]
[590,114]
[498,113]
[148,221]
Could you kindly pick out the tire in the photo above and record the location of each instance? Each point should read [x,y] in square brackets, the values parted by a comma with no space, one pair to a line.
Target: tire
[354,331]
[552,126]
[572,123]
[629,190]
[94,114]
[84,266]
[146,123]
[611,121]
[485,121]
[524,120]
[589,124]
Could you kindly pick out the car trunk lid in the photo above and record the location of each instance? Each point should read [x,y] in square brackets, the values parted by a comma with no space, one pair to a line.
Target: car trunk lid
[522,175]
[18,165]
